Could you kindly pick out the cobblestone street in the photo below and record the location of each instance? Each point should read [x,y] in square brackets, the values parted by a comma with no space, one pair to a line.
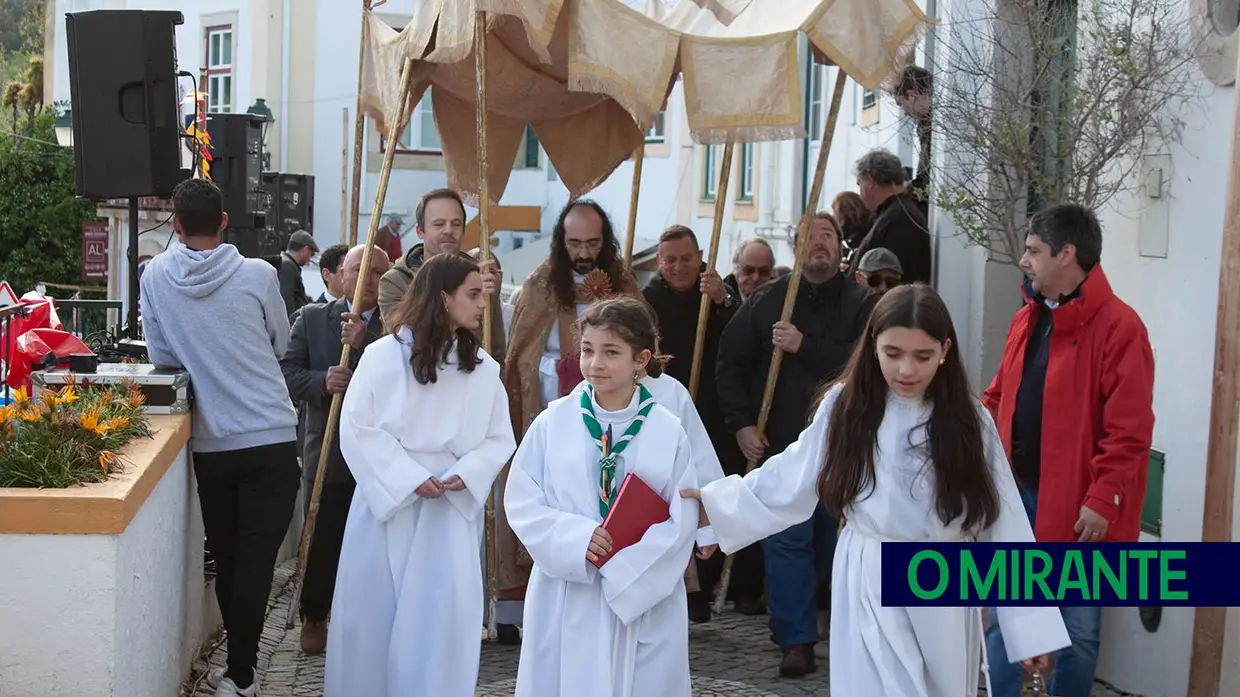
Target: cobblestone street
[730,657]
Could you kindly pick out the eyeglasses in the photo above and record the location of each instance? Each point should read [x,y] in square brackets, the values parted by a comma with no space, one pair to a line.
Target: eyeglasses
[879,280]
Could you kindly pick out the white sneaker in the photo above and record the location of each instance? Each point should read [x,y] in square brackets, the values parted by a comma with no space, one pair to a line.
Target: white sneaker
[228,688]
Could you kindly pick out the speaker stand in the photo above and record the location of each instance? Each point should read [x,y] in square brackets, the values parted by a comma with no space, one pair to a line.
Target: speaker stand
[131,329]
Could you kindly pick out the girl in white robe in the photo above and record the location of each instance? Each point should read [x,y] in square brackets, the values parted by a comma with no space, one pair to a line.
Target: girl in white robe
[425,430]
[905,451]
[673,396]
[620,630]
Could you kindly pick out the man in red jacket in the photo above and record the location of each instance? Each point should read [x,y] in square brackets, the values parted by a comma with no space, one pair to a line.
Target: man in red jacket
[1073,404]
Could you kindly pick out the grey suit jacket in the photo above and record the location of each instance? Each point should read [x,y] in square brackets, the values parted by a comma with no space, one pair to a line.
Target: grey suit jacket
[314,346]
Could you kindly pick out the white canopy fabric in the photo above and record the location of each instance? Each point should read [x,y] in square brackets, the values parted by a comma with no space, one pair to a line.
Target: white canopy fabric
[590,75]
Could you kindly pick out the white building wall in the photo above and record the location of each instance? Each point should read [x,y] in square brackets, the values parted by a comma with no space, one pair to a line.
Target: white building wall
[1177,297]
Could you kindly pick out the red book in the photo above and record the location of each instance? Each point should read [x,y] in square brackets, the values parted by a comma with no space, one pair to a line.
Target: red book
[636,509]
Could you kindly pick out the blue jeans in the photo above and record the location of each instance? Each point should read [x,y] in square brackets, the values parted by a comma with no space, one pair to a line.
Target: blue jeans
[797,560]
[1073,675]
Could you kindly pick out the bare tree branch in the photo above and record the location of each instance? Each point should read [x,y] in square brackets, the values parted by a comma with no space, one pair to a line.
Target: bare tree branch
[1040,102]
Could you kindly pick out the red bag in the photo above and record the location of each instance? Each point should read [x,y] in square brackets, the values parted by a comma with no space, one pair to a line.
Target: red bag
[32,338]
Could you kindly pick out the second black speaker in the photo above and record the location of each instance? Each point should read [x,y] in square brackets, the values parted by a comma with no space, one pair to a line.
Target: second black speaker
[237,167]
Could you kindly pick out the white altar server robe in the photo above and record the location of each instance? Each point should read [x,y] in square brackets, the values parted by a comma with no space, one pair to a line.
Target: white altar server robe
[876,650]
[409,597]
[621,630]
[675,397]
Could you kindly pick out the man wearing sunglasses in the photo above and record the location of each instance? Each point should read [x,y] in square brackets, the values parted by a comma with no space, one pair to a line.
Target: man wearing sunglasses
[880,270]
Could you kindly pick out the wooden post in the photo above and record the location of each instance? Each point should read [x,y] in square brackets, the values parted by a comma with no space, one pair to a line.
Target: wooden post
[344,173]
[484,256]
[794,282]
[1210,623]
[333,415]
[638,155]
[359,128]
[721,203]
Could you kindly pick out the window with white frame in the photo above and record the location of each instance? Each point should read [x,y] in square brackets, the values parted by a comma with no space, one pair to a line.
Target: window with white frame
[869,99]
[219,53]
[710,166]
[420,135]
[745,191]
[656,132]
[815,102]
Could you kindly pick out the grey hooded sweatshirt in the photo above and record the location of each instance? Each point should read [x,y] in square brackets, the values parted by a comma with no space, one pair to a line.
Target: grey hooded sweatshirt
[221,317]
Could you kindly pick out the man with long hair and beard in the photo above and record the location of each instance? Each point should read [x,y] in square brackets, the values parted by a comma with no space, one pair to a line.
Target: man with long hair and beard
[543,359]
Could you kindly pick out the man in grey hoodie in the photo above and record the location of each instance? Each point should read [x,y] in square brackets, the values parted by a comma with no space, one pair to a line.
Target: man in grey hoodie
[221,317]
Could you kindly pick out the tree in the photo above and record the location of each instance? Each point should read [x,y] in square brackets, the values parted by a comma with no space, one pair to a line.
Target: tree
[21,26]
[1039,102]
[25,97]
[40,216]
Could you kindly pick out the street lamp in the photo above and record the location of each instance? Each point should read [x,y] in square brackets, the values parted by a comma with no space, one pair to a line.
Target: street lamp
[64,129]
[260,109]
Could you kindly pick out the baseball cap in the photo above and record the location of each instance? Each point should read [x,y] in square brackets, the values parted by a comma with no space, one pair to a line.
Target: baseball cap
[301,238]
[880,259]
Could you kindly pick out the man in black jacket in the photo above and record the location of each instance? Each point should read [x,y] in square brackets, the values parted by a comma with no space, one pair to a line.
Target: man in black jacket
[898,221]
[675,295]
[313,373]
[829,316]
[297,253]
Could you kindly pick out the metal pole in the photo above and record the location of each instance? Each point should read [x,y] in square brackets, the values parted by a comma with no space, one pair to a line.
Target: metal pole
[133,331]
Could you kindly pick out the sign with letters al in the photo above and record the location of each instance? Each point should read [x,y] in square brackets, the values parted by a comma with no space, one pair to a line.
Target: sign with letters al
[95,250]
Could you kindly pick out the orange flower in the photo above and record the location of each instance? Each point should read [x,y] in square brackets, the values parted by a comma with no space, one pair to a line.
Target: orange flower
[7,412]
[50,398]
[106,459]
[30,414]
[68,394]
[21,396]
[90,421]
[114,423]
[136,398]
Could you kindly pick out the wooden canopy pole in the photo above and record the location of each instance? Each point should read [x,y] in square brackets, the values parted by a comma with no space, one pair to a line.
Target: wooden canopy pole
[794,282]
[484,255]
[359,129]
[1210,623]
[638,155]
[721,202]
[333,416]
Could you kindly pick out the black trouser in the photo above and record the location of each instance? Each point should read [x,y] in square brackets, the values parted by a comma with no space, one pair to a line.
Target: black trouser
[247,497]
[708,571]
[748,574]
[320,579]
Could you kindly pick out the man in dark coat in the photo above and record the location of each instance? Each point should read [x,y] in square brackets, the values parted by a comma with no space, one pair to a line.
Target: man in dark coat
[675,295]
[899,224]
[297,254]
[313,374]
[830,314]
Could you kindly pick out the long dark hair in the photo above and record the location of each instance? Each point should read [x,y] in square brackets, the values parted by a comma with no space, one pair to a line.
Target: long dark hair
[630,320]
[963,484]
[422,311]
[560,264]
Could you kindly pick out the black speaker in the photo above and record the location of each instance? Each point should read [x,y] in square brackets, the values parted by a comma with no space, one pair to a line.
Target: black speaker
[123,86]
[292,202]
[237,167]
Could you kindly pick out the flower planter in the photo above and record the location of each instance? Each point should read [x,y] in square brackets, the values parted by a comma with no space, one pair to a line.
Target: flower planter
[101,586]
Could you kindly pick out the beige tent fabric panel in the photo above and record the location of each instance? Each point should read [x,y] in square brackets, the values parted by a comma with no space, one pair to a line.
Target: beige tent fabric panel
[867,39]
[635,71]
[607,127]
[748,110]
[454,35]
[538,16]
[457,123]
